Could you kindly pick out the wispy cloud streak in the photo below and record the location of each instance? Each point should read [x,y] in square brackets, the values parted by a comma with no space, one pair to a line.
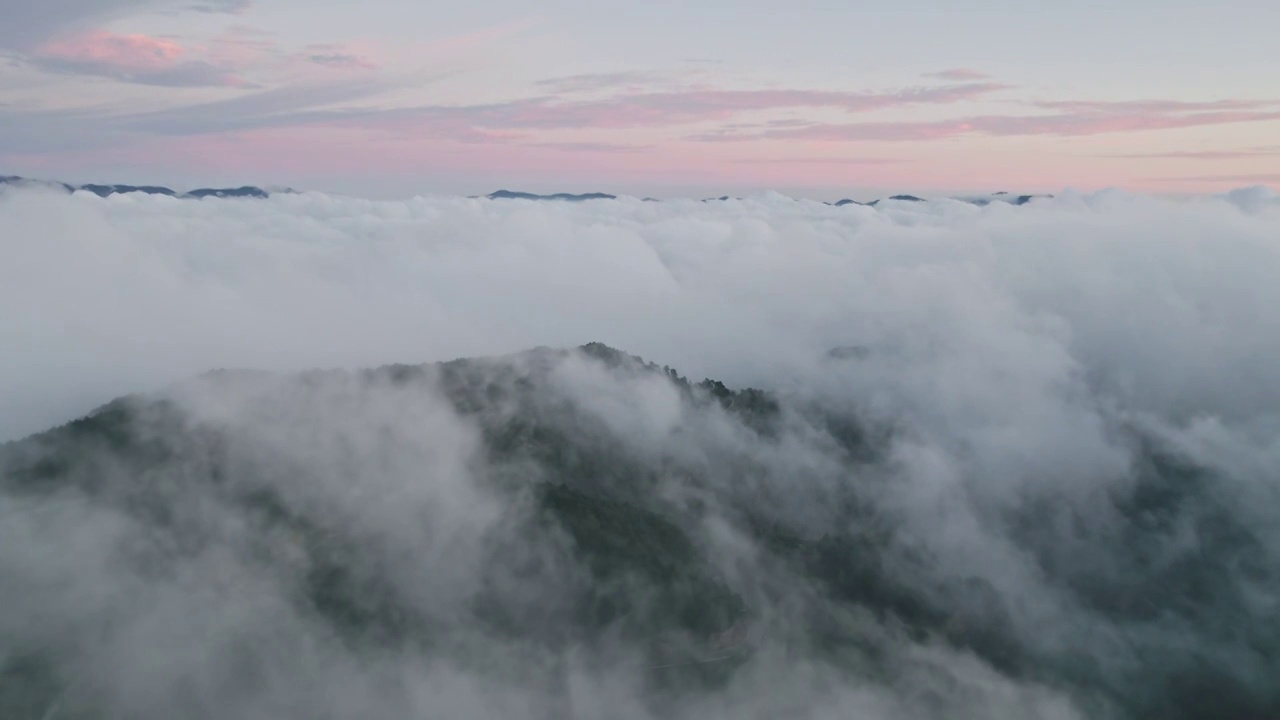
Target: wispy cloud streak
[1246,179]
[1262,151]
[131,58]
[958,74]
[341,61]
[666,109]
[1080,119]
[818,161]
[228,7]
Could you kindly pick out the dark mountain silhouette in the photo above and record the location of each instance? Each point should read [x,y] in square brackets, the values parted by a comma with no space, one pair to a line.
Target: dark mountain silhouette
[567,197]
[1003,197]
[247,191]
[901,198]
[105,190]
[17,181]
[250,191]
[516,195]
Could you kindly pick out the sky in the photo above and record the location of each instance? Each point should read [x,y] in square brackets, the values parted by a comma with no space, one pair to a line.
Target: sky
[391,98]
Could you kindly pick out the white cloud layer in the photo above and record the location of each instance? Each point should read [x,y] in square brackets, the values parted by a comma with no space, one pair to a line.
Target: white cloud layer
[1166,307]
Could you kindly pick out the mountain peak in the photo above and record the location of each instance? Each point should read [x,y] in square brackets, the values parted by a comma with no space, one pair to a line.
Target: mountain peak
[567,197]
[246,191]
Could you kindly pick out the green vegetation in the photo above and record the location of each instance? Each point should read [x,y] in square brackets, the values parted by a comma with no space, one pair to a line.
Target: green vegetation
[605,541]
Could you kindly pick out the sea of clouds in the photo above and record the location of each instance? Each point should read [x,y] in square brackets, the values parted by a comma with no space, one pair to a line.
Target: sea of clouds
[989,313]
[1015,349]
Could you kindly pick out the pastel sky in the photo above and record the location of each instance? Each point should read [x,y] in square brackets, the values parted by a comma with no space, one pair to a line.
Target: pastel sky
[389,98]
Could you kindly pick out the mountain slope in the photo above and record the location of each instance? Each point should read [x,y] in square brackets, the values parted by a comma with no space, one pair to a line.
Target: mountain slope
[578,516]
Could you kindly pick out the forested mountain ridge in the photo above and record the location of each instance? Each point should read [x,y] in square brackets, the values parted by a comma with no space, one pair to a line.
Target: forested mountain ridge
[511,514]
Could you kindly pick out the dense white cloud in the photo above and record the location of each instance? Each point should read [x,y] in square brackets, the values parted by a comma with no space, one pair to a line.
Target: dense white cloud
[999,311]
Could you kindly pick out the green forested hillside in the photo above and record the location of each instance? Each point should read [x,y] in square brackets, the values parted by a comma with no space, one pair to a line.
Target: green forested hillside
[516,514]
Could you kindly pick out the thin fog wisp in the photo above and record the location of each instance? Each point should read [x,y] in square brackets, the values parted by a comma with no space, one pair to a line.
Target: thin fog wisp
[1000,461]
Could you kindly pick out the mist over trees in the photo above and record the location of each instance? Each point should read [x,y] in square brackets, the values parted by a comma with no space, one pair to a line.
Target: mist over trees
[558,529]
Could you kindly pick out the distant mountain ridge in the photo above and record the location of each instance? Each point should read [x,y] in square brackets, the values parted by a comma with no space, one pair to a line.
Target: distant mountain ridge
[567,197]
[245,191]
[251,191]
[571,197]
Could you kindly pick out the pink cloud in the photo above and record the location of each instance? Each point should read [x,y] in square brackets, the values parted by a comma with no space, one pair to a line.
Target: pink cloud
[687,107]
[742,100]
[1207,154]
[1134,118]
[515,120]
[958,74]
[1127,107]
[846,132]
[590,82]
[131,58]
[124,52]
[591,147]
[1070,124]
[1237,180]
[818,161]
